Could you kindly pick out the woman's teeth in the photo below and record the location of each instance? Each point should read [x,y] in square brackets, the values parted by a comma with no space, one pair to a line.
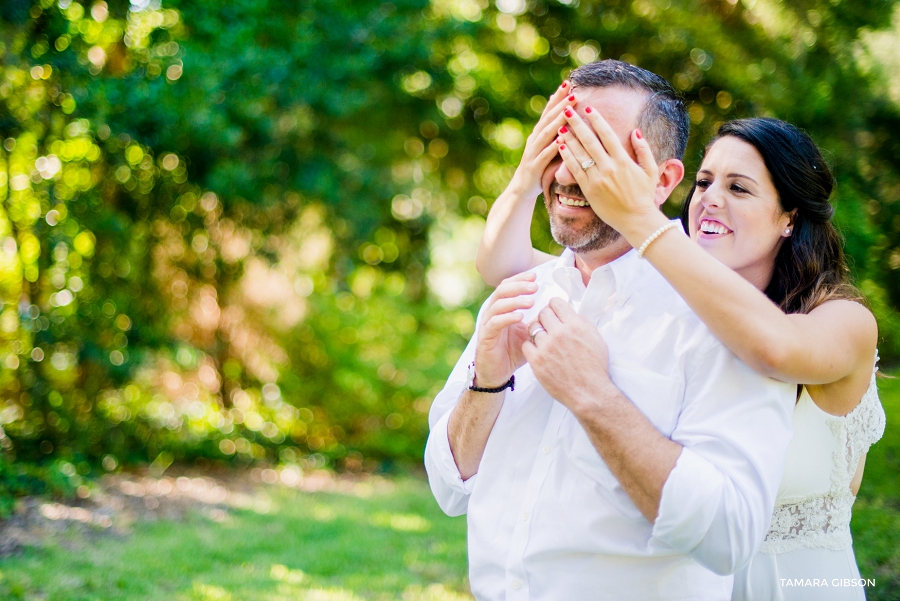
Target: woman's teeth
[711,227]
[573,202]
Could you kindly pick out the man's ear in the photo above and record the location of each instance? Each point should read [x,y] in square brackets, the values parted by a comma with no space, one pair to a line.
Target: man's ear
[671,172]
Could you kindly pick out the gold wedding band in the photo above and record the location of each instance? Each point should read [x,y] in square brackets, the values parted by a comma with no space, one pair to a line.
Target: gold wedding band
[587,164]
[537,331]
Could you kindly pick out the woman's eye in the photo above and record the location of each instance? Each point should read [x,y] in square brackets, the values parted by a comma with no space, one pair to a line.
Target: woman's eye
[702,184]
[738,189]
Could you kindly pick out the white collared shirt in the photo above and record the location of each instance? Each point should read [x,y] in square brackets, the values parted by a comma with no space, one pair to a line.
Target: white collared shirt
[548,520]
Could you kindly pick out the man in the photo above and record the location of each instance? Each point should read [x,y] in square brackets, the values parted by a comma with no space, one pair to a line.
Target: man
[652,488]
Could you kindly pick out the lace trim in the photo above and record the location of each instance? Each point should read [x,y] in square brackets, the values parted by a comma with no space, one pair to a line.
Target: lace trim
[858,430]
[816,522]
[823,521]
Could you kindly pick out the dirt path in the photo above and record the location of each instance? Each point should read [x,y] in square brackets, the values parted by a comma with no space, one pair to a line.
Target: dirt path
[116,502]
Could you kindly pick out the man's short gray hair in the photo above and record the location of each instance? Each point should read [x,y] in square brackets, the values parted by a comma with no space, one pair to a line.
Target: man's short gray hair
[663,120]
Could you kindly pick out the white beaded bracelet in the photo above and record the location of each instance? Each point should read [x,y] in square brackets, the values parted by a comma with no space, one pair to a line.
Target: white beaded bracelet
[654,236]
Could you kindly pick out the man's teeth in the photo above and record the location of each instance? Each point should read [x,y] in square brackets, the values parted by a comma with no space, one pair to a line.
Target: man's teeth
[573,202]
[710,227]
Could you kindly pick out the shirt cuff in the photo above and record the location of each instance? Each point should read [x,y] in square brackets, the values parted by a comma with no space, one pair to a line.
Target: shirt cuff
[442,457]
[689,503]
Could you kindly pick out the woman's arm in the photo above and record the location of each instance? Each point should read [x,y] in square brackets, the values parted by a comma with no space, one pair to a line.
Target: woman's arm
[505,247]
[833,341]
[833,344]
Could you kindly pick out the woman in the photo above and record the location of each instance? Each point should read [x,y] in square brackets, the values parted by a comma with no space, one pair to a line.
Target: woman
[764,269]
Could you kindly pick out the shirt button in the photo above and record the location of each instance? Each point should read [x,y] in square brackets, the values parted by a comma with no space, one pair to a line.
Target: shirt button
[516,584]
[546,450]
[524,516]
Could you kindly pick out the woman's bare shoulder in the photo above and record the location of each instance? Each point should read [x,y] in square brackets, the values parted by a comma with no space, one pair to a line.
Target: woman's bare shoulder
[854,328]
[851,317]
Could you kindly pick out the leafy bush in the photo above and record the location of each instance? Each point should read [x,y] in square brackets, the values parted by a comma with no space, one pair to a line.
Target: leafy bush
[58,479]
[243,231]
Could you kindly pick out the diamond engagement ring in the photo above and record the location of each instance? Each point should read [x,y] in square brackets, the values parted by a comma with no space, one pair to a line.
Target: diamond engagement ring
[537,331]
[587,164]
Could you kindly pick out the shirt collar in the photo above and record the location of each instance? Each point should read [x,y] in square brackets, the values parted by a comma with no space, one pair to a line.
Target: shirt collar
[630,273]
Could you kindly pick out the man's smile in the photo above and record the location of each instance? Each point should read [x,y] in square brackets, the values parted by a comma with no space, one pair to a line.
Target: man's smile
[572,202]
[569,196]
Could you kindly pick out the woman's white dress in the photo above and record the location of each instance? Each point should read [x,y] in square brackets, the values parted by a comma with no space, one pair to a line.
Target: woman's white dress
[808,552]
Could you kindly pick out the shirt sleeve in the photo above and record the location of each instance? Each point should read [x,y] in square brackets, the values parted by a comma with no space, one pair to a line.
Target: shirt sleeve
[734,427]
[448,487]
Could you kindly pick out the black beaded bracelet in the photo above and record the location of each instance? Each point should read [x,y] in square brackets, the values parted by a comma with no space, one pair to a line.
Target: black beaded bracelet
[511,384]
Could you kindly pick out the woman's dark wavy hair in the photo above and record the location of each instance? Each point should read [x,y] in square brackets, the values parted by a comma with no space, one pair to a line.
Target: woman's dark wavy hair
[810,267]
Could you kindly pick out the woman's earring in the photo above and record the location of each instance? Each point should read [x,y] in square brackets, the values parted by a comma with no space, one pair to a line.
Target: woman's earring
[787,232]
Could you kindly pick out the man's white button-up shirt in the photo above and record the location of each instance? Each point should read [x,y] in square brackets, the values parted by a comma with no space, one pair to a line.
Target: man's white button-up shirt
[548,520]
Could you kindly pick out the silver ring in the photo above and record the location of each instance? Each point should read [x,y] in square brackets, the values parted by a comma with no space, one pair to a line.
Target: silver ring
[587,164]
[537,331]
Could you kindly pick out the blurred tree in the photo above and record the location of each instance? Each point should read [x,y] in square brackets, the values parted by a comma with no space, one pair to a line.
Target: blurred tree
[73,252]
[232,230]
[148,318]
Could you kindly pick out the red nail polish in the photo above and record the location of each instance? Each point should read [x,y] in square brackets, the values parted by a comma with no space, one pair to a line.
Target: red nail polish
[588,110]
[568,112]
[562,146]
[639,134]
[565,84]
[558,141]
[572,98]
[563,129]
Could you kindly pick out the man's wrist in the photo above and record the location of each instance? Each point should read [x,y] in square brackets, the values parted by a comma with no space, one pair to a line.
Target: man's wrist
[476,380]
[594,401]
[510,384]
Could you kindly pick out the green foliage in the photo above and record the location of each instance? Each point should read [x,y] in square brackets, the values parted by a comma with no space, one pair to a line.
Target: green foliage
[876,514]
[146,314]
[19,479]
[241,231]
[875,526]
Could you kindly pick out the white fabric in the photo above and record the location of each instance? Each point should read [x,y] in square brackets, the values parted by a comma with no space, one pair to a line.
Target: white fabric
[800,575]
[809,538]
[547,519]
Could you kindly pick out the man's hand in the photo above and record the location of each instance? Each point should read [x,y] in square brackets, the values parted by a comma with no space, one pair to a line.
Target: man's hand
[498,353]
[540,147]
[571,361]
[501,334]
[570,358]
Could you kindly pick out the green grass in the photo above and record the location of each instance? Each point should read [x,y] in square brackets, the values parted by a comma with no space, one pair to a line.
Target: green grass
[876,514]
[334,547]
[394,545]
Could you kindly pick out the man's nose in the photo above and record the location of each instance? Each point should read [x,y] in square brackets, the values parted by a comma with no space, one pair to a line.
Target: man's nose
[564,177]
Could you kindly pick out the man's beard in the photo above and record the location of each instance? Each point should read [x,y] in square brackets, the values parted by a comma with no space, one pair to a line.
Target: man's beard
[593,235]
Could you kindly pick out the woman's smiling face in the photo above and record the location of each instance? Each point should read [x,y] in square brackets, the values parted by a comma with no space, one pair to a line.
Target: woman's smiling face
[735,213]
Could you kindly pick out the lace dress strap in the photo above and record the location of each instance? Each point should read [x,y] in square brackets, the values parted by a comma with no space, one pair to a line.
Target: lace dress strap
[823,521]
[857,431]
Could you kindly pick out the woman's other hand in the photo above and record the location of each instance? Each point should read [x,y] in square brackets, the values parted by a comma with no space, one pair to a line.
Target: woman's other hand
[539,147]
